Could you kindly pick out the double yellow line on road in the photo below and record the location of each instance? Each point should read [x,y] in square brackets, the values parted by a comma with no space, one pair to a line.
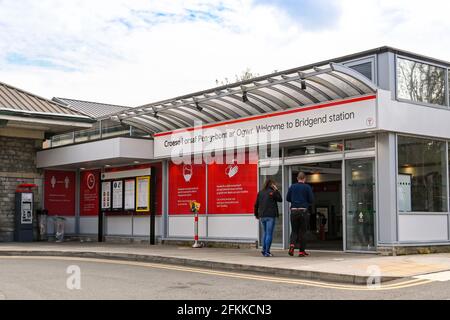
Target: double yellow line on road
[244,276]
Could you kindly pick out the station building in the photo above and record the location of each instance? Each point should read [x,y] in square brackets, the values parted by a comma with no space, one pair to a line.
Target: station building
[370,130]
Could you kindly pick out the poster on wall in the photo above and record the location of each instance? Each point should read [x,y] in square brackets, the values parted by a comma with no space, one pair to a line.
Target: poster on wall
[59,192]
[89,192]
[404,193]
[106,195]
[143,194]
[130,185]
[232,188]
[117,195]
[187,182]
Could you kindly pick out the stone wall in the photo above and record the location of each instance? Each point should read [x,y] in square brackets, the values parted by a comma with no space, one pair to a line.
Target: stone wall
[17,165]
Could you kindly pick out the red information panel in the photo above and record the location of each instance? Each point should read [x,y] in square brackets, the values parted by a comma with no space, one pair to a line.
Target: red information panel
[232,188]
[186,183]
[59,192]
[89,193]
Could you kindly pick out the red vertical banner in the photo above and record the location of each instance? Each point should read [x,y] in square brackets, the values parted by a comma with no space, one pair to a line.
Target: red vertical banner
[59,192]
[232,187]
[89,193]
[187,182]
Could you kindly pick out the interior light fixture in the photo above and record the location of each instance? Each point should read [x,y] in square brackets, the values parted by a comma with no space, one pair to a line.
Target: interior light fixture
[244,96]
[107,165]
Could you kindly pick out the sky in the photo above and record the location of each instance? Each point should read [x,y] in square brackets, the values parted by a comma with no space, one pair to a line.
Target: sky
[133,52]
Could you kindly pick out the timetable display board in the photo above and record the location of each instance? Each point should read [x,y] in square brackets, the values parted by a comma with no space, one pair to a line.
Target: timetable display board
[143,194]
[117,195]
[106,195]
[130,194]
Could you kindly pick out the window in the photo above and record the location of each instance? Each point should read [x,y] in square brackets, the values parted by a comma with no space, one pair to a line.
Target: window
[320,147]
[420,82]
[422,179]
[364,68]
[360,143]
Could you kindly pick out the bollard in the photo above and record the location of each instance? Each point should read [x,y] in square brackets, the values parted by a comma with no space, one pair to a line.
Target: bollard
[195,206]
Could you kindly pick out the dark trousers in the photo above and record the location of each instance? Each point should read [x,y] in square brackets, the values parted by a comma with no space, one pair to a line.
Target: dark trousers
[299,223]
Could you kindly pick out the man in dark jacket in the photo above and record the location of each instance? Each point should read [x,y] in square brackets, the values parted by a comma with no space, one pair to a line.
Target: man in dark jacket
[266,210]
[300,196]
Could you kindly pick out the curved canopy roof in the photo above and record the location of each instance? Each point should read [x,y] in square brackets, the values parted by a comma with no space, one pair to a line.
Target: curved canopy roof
[265,94]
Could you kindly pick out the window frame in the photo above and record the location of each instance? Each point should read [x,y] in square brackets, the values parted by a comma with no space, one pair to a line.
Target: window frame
[446,174]
[372,59]
[445,106]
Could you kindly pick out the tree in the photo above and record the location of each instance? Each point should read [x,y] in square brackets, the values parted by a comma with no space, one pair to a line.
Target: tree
[247,74]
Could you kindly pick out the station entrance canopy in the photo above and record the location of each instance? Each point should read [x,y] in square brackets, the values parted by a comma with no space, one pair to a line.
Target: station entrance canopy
[272,94]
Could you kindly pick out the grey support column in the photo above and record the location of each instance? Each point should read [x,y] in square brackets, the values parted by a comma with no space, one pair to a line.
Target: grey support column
[387,189]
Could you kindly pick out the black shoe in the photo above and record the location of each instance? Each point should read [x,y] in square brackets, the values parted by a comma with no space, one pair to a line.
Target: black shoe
[291,250]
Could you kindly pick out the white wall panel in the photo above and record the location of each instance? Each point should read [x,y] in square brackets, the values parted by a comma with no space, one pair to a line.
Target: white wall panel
[232,226]
[415,227]
[69,225]
[411,118]
[118,225]
[183,226]
[141,226]
[88,225]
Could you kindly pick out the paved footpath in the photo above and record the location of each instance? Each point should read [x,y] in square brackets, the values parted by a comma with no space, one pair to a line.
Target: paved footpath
[320,265]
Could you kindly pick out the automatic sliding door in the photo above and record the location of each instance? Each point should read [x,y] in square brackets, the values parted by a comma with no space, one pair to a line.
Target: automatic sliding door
[274,173]
[360,204]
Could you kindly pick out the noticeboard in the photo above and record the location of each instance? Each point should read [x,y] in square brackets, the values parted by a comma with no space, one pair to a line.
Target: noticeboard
[106,195]
[143,194]
[117,195]
[130,194]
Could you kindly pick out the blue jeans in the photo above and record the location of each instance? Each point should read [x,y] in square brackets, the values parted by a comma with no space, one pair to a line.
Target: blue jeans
[268,225]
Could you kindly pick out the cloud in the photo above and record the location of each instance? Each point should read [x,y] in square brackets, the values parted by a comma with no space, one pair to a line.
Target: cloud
[136,52]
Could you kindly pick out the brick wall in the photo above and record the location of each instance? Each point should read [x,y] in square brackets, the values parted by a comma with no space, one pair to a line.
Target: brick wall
[17,165]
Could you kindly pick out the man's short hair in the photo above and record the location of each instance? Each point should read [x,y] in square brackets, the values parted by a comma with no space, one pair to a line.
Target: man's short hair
[301,176]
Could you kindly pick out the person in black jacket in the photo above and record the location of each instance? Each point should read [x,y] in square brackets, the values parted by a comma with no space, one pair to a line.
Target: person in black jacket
[266,210]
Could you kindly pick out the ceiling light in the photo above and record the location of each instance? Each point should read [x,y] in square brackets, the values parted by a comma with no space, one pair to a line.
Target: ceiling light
[136,162]
[107,165]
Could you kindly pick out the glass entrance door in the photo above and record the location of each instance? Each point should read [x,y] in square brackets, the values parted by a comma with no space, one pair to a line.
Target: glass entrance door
[275,174]
[360,204]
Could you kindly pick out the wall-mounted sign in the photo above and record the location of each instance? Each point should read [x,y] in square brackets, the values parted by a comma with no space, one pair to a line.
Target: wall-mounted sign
[232,188]
[404,193]
[143,194]
[187,182]
[130,190]
[89,192]
[324,119]
[106,195]
[59,192]
[117,194]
